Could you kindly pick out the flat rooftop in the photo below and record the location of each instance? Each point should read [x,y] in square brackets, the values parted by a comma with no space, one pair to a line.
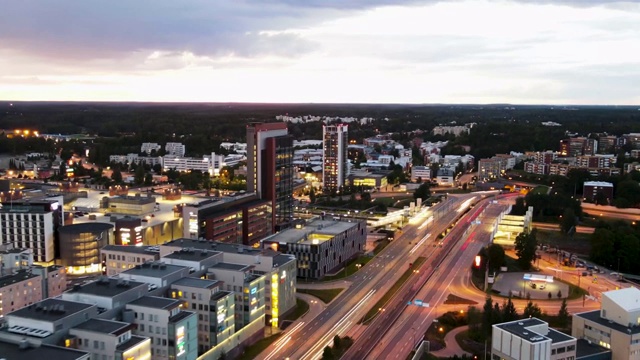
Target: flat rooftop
[520,329]
[104,326]
[220,294]
[133,341]
[305,235]
[15,278]
[107,287]
[595,317]
[156,302]
[185,243]
[229,266]
[37,311]
[154,269]
[13,352]
[587,348]
[146,250]
[197,283]
[192,255]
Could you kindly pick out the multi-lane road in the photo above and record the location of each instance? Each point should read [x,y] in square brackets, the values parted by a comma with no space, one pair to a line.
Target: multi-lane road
[365,287]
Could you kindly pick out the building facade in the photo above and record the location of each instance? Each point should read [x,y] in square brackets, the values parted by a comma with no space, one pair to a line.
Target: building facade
[530,339]
[118,258]
[335,168]
[80,246]
[107,339]
[592,189]
[19,290]
[270,171]
[173,332]
[321,246]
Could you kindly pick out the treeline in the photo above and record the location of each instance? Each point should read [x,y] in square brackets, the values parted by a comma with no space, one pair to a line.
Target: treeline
[616,246]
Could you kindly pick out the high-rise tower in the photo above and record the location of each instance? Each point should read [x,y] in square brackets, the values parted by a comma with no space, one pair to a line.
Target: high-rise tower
[335,167]
[270,168]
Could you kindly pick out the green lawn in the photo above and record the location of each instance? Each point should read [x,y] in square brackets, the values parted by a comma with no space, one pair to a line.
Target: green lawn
[350,269]
[540,189]
[301,308]
[373,311]
[326,295]
[251,352]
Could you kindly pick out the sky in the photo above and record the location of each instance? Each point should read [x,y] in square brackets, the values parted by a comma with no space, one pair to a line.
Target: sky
[580,52]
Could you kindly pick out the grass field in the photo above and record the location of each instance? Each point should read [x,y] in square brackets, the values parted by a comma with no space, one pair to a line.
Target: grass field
[326,295]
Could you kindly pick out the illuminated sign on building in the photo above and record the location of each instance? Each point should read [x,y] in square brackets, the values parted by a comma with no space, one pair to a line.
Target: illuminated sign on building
[254,290]
[180,341]
[275,310]
[193,224]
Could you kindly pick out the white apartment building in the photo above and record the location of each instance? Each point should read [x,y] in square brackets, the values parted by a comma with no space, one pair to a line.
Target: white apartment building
[149,147]
[615,326]
[110,340]
[530,339]
[211,164]
[420,172]
[175,149]
[107,293]
[173,332]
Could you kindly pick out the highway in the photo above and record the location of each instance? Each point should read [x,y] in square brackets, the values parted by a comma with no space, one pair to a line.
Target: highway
[367,286]
[394,332]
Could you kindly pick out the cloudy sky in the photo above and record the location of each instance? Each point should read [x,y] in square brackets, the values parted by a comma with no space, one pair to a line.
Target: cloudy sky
[348,51]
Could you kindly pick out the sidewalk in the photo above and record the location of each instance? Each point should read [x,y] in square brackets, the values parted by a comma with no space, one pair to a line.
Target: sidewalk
[452,348]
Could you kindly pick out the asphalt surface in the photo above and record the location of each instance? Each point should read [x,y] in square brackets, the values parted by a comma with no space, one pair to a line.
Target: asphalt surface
[367,286]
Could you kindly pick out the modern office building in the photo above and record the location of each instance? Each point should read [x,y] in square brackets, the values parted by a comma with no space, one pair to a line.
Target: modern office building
[118,258]
[241,219]
[32,225]
[616,326]
[107,339]
[369,180]
[335,167]
[173,331]
[270,171]
[128,205]
[321,245]
[80,246]
[198,261]
[214,307]
[490,169]
[279,270]
[248,289]
[19,290]
[530,339]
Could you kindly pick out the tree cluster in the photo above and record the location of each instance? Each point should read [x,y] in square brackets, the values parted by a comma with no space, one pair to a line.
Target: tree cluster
[340,346]
[616,246]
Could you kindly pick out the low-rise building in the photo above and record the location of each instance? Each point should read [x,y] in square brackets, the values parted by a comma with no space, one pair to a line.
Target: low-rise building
[420,172]
[198,261]
[54,279]
[173,331]
[118,258]
[107,293]
[320,246]
[128,205]
[47,321]
[538,168]
[15,259]
[107,339]
[615,326]
[156,274]
[20,351]
[531,339]
[19,290]
[592,189]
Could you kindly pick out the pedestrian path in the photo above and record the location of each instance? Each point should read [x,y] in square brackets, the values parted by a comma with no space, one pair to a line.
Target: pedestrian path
[452,347]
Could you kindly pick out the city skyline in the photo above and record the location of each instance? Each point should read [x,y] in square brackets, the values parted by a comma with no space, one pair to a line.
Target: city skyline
[286,51]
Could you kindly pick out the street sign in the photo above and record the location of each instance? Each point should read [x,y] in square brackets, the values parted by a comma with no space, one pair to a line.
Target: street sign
[417,302]
[424,304]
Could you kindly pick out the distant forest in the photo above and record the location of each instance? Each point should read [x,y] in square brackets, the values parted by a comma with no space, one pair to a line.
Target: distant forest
[122,127]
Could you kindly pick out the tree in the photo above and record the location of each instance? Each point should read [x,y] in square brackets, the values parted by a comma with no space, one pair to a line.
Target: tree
[138,177]
[337,342]
[568,222]
[312,195]
[509,312]
[519,208]
[116,175]
[559,294]
[327,353]
[423,192]
[495,255]
[563,314]
[148,179]
[487,316]
[525,246]
[532,310]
